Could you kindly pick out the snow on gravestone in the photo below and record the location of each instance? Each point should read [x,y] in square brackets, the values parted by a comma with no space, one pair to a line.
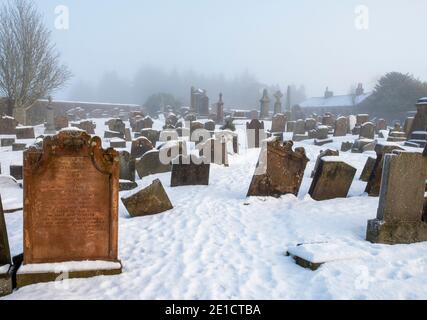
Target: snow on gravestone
[255,133]
[400,211]
[332,179]
[71,200]
[5,259]
[279,171]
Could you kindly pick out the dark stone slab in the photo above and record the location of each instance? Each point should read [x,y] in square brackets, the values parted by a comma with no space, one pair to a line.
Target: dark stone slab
[367,170]
[7,142]
[19,146]
[127,166]
[279,171]
[346,146]
[126,185]
[324,153]
[16,171]
[152,135]
[149,201]
[190,171]
[24,133]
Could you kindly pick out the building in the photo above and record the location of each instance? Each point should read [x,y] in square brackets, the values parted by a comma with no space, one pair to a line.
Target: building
[341,104]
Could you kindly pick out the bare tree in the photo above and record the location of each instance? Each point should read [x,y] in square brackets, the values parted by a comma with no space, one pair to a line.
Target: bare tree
[29,63]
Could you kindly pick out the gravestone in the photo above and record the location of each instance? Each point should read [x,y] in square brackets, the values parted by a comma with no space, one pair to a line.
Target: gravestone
[220,110]
[367,169]
[8,125]
[118,143]
[7,142]
[210,125]
[127,166]
[400,211]
[50,119]
[279,123]
[407,126]
[310,124]
[148,201]
[255,133]
[420,121]
[5,258]
[367,131]
[117,125]
[325,153]
[24,133]
[341,127]
[87,126]
[152,135]
[190,171]
[128,135]
[332,179]
[346,146]
[19,146]
[16,171]
[150,163]
[361,119]
[279,171]
[381,125]
[278,104]
[215,151]
[71,214]
[265,105]
[140,146]
[290,126]
[299,127]
[374,181]
[61,122]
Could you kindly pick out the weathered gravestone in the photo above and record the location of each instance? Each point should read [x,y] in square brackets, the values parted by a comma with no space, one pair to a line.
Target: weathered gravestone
[341,127]
[210,125]
[190,171]
[112,134]
[332,179]
[117,125]
[16,171]
[346,146]
[255,133]
[310,124]
[61,122]
[152,135]
[381,125]
[148,201]
[367,131]
[420,121]
[299,127]
[325,153]
[374,181]
[279,171]
[279,123]
[7,125]
[215,151]
[86,125]
[118,143]
[71,208]
[127,166]
[367,169]
[5,259]
[361,119]
[24,133]
[7,142]
[140,146]
[19,146]
[400,211]
[151,163]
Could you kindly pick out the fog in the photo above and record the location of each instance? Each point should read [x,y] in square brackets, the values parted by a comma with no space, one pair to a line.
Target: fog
[123,51]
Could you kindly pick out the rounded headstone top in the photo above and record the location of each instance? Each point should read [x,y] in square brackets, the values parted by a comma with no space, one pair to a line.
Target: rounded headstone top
[422,101]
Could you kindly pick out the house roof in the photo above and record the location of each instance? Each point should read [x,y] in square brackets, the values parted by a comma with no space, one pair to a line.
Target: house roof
[335,101]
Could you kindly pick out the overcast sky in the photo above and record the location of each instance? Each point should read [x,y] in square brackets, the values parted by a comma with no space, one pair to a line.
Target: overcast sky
[310,42]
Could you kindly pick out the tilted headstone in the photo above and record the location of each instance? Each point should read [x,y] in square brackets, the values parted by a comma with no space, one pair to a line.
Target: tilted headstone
[374,181]
[325,153]
[400,211]
[190,171]
[5,258]
[127,166]
[151,163]
[332,179]
[148,201]
[255,133]
[140,146]
[279,171]
[367,169]
[71,212]
[279,123]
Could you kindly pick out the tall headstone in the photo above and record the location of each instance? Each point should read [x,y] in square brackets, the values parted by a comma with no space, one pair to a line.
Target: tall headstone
[5,258]
[50,119]
[400,211]
[279,123]
[265,105]
[332,179]
[341,127]
[71,212]
[278,104]
[255,133]
[279,171]
[127,166]
[220,110]
[367,131]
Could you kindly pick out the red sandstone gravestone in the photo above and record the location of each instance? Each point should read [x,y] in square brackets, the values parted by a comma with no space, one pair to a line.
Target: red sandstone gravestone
[70,204]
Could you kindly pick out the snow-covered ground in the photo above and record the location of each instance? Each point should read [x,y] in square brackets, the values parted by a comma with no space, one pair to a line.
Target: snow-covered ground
[218,244]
